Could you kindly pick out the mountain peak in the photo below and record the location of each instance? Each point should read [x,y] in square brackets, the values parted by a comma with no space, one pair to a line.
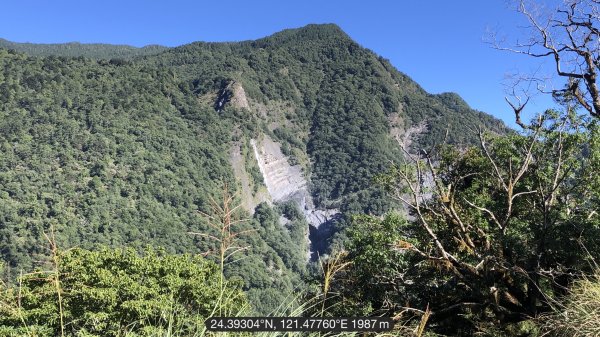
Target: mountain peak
[324,31]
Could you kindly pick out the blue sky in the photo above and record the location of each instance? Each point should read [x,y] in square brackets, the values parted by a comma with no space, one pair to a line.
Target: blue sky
[438,43]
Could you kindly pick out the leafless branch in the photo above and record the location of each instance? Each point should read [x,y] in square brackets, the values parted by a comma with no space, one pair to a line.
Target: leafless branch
[570,37]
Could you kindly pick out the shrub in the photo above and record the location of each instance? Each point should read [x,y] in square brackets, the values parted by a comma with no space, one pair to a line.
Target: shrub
[579,315]
[117,292]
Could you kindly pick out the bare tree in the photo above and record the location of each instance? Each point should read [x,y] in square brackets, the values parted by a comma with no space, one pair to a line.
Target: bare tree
[569,35]
[527,190]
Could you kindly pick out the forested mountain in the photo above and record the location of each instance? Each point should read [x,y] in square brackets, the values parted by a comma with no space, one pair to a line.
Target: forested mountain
[117,146]
[339,99]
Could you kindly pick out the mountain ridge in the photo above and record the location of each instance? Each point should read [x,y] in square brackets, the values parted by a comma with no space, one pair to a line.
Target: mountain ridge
[77,49]
[127,152]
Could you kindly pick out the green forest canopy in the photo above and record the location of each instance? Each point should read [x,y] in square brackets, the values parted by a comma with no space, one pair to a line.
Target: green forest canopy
[117,146]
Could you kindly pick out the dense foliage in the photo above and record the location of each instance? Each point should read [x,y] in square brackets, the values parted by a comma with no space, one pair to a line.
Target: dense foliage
[109,155]
[500,232]
[119,146]
[117,53]
[118,292]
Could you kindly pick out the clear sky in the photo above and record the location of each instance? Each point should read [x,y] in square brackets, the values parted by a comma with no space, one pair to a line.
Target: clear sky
[439,43]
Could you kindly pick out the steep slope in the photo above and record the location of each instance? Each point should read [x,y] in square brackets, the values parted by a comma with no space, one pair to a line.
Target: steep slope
[117,155]
[327,98]
[127,152]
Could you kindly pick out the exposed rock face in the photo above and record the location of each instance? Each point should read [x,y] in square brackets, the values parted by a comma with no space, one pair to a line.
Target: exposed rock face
[411,134]
[233,93]
[283,181]
[405,137]
[286,182]
[239,99]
